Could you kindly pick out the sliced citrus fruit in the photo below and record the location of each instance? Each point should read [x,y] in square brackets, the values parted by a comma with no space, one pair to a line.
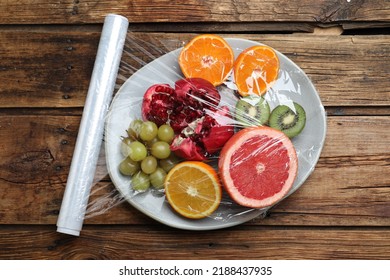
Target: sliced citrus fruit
[258,166]
[207,56]
[255,70]
[193,189]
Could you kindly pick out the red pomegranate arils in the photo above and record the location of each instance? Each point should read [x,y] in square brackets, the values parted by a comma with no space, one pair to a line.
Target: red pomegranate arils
[191,109]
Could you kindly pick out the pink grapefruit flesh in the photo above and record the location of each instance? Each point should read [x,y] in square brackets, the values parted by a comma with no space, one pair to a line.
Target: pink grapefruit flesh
[258,166]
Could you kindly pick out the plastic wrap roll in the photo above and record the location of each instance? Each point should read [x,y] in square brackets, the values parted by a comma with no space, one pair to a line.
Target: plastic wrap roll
[89,139]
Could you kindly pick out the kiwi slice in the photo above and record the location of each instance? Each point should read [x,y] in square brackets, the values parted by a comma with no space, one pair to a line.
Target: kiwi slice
[289,121]
[252,111]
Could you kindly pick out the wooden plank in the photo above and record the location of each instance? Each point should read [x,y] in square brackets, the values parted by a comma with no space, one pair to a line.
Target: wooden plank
[185,27]
[75,11]
[129,242]
[46,69]
[36,153]
[358,111]
[348,186]
[49,69]
[375,27]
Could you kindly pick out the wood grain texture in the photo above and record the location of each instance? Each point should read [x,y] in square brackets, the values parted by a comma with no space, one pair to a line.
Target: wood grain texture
[45,69]
[157,242]
[50,69]
[346,188]
[47,51]
[87,11]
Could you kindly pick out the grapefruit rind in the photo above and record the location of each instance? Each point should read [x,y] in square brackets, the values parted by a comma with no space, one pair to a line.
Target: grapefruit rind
[225,163]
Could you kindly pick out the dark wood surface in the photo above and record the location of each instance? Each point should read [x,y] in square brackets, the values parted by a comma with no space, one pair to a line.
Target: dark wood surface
[47,53]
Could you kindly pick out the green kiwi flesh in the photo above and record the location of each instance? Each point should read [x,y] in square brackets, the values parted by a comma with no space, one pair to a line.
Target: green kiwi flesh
[283,118]
[252,111]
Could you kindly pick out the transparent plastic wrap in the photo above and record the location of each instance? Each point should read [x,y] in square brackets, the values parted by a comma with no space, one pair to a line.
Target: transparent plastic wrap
[89,140]
[208,133]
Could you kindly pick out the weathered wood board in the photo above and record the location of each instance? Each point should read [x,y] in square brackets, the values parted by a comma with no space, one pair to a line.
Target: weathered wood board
[80,11]
[346,187]
[49,69]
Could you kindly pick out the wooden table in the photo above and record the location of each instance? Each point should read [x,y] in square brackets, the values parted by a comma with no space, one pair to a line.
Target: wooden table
[47,51]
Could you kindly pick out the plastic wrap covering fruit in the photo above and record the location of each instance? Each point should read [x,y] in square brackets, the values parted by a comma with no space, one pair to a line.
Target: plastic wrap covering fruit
[210,132]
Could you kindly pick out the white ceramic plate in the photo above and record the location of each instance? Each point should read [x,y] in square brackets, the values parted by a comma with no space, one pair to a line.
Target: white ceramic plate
[292,85]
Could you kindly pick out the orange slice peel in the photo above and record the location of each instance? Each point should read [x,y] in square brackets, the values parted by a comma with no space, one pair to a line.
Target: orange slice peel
[207,56]
[255,70]
[193,189]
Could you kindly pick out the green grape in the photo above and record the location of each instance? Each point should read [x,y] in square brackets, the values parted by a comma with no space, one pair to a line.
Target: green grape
[168,163]
[140,181]
[137,151]
[160,150]
[166,133]
[129,167]
[134,129]
[125,149]
[157,178]
[148,131]
[150,143]
[149,164]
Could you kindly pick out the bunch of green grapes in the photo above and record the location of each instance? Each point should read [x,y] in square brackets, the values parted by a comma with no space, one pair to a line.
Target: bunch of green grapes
[148,156]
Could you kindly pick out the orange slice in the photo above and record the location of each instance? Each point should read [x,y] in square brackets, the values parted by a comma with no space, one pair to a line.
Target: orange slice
[255,70]
[207,56]
[193,189]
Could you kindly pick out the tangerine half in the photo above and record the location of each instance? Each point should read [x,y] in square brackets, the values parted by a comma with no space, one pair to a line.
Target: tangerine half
[207,56]
[193,189]
[255,70]
[258,166]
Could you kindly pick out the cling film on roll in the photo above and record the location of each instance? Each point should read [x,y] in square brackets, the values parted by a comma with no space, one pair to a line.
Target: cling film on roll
[209,132]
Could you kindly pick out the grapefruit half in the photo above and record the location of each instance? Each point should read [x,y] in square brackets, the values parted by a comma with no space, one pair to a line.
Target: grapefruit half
[258,166]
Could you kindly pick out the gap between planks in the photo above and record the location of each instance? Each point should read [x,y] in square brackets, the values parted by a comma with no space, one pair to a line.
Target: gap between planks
[338,111]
